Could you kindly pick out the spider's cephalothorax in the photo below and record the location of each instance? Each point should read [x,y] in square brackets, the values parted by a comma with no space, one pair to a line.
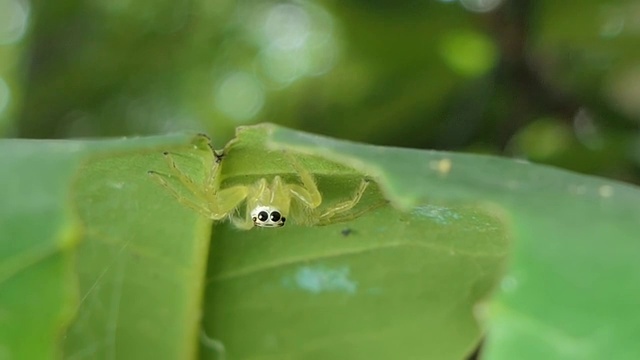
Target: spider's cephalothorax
[267,203]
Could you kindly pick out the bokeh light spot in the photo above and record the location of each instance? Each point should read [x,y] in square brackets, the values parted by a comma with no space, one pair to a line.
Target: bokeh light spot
[14,18]
[469,53]
[623,90]
[296,40]
[321,56]
[239,96]
[586,131]
[287,26]
[613,23]
[282,66]
[481,5]
[5,95]
[541,140]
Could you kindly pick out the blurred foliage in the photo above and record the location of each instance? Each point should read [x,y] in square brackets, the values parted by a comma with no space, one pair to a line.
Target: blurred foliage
[555,82]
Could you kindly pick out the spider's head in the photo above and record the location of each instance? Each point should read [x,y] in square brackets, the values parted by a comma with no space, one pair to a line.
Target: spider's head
[266,216]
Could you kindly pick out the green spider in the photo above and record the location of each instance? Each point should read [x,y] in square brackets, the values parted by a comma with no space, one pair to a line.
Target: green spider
[268,202]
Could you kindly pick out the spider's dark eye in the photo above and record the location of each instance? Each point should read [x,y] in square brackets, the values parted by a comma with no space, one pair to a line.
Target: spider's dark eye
[275,216]
[263,216]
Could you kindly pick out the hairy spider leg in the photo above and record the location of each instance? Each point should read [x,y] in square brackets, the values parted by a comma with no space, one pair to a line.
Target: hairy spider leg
[349,215]
[226,200]
[341,212]
[218,203]
[160,178]
[311,197]
[212,177]
[308,193]
[182,176]
[217,156]
[343,207]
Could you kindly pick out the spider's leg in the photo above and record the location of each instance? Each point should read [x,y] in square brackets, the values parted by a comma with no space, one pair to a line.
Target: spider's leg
[302,194]
[308,193]
[210,181]
[223,202]
[240,223]
[181,176]
[200,208]
[345,205]
[218,156]
[347,216]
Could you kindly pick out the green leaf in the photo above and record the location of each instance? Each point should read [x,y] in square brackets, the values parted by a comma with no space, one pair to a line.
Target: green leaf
[84,232]
[572,287]
[141,264]
[37,238]
[56,194]
[390,284]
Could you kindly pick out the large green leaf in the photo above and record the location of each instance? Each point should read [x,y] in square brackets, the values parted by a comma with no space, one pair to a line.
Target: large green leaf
[141,265]
[572,288]
[405,280]
[126,258]
[390,284]
[37,237]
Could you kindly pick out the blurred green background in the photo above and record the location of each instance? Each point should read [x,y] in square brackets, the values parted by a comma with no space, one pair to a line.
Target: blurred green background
[552,81]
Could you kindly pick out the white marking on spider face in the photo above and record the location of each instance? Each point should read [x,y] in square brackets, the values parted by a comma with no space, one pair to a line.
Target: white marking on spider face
[267,216]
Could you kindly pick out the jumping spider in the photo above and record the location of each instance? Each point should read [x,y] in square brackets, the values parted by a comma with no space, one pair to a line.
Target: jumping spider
[268,202]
